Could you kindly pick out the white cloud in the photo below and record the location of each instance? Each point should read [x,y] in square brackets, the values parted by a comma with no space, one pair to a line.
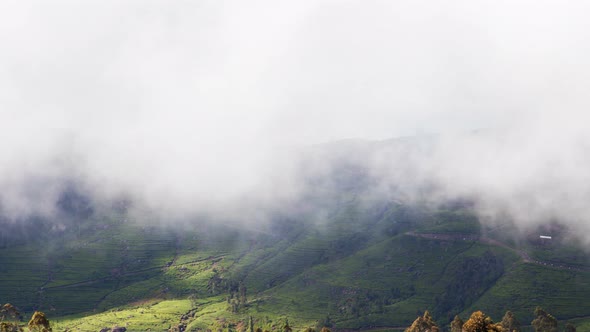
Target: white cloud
[190,104]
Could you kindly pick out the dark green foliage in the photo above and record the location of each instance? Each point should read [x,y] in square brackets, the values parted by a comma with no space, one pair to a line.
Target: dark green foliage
[544,322]
[529,285]
[216,283]
[242,298]
[360,302]
[473,276]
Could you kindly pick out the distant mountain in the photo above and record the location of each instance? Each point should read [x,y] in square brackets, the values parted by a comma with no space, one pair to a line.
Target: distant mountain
[343,254]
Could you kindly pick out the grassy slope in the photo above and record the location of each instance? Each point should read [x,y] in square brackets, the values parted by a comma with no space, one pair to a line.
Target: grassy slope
[358,267]
[156,316]
[401,275]
[563,293]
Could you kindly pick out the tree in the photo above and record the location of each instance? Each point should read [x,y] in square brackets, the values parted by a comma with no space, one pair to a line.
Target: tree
[9,318]
[423,324]
[544,322]
[242,291]
[480,322]
[509,323]
[457,324]
[39,322]
[9,327]
[234,306]
[8,311]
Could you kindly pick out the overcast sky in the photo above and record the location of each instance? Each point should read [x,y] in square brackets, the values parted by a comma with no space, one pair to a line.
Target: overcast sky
[189,101]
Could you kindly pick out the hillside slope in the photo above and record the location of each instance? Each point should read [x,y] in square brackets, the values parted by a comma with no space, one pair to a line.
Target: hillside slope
[364,264]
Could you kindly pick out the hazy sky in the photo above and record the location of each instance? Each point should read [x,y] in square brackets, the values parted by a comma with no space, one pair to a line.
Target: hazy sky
[188,102]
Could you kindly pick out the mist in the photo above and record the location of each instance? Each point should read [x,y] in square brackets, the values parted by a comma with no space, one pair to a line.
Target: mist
[206,107]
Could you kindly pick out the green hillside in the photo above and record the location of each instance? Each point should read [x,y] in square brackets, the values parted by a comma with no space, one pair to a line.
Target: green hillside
[361,265]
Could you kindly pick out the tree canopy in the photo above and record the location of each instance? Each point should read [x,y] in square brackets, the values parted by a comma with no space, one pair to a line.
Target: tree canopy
[39,322]
[544,322]
[480,322]
[457,324]
[9,318]
[509,323]
[425,323]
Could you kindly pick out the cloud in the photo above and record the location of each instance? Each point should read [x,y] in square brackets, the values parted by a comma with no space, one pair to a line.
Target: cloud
[188,106]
